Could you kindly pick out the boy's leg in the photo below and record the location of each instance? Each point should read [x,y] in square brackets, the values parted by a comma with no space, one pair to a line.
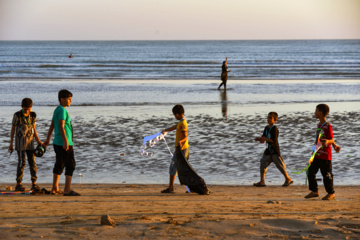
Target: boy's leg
[172,182]
[70,165]
[32,164]
[55,187]
[326,172]
[172,173]
[67,188]
[58,167]
[20,167]
[313,169]
[265,161]
[280,164]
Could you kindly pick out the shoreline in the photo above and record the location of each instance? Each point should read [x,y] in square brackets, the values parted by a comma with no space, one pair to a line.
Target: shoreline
[171,79]
[141,211]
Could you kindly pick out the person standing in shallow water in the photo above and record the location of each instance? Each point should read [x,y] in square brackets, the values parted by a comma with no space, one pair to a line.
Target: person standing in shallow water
[224,74]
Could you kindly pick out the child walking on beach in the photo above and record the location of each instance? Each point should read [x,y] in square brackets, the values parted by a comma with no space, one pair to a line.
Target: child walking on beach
[323,157]
[181,140]
[63,144]
[23,127]
[272,151]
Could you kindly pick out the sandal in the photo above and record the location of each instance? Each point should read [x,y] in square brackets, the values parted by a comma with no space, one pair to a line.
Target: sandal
[19,188]
[72,193]
[35,187]
[259,185]
[57,193]
[286,184]
[167,191]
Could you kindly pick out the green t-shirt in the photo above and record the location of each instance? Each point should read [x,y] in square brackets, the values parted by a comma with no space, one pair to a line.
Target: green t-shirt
[61,113]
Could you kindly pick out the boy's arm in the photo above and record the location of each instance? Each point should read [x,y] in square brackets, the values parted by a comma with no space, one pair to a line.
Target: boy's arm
[325,142]
[63,134]
[169,129]
[51,129]
[11,147]
[37,136]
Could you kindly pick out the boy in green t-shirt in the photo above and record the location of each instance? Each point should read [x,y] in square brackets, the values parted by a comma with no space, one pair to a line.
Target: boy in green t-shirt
[63,144]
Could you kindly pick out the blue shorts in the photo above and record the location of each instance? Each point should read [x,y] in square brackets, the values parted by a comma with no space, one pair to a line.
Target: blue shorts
[173,164]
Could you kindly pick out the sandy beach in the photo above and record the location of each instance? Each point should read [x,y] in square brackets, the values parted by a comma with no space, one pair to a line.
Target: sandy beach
[142,212]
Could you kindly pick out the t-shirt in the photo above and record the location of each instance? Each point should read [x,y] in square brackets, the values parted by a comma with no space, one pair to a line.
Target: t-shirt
[181,127]
[24,131]
[327,133]
[273,134]
[61,113]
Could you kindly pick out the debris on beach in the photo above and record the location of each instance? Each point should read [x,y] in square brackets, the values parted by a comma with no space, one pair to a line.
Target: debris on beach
[106,220]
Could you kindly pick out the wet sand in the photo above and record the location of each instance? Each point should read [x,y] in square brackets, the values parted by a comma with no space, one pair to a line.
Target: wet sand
[142,212]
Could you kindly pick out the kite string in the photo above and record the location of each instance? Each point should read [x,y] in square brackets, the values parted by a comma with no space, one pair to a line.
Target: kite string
[167,146]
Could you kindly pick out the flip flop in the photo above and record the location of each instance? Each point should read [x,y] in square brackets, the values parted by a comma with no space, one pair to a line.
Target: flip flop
[57,193]
[286,184]
[167,191]
[259,185]
[72,193]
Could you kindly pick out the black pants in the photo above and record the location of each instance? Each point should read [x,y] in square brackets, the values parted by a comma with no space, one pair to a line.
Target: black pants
[325,167]
[64,159]
[22,163]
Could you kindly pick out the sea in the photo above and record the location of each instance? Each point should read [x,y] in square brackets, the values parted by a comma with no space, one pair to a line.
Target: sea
[302,59]
[125,90]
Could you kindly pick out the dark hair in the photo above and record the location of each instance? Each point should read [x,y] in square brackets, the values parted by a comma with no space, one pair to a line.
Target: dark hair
[274,115]
[64,94]
[178,109]
[323,108]
[27,103]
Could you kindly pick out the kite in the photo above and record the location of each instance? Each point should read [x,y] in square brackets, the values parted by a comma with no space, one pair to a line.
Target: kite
[153,139]
[315,149]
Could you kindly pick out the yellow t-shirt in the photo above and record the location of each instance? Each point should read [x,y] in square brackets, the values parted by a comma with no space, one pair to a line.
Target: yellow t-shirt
[181,127]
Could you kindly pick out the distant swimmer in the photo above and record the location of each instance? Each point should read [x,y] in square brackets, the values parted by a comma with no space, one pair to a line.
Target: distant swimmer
[70,56]
[224,74]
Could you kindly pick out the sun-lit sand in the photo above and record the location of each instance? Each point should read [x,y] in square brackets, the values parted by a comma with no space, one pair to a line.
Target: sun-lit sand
[142,212]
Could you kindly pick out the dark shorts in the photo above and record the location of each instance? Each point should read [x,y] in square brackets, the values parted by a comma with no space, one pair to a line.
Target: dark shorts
[64,159]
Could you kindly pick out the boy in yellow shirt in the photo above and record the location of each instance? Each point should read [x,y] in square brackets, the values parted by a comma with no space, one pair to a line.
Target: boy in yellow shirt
[180,140]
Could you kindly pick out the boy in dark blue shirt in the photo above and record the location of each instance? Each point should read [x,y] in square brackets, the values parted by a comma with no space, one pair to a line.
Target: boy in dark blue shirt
[272,152]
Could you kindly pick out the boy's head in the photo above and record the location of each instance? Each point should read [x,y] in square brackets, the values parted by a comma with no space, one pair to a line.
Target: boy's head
[323,108]
[26,103]
[272,117]
[65,97]
[178,111]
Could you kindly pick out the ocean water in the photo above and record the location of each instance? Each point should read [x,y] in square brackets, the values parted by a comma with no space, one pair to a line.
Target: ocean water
[124,91]
[111,118]
[302,59]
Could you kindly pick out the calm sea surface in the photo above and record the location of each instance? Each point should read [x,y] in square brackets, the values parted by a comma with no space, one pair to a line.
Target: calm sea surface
[312,59]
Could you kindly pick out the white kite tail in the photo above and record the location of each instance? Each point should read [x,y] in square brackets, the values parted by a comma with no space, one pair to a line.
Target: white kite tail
[153,139]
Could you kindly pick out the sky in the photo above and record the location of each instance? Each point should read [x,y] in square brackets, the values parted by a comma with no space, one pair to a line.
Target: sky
[179,19]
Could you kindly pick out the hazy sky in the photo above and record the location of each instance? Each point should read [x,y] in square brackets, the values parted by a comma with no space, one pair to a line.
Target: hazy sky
[178,19]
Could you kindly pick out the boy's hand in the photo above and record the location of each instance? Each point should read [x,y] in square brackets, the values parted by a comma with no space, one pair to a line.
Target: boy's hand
[11,148]
[66,146]
[260,139]
[337,148]
[180,144]
[164,132]
[46,143]
[324,142]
